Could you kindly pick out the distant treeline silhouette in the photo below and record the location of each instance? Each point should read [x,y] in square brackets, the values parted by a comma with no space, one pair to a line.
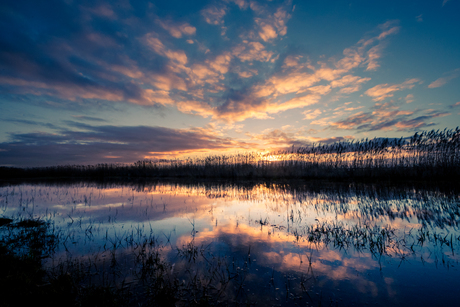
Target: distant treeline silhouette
[429,155]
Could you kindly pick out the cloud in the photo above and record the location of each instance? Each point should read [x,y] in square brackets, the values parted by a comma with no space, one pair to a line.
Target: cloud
[72,91]
[419,18]
[347,80]
[331,140]
[214,15]
[312,114]
[240,105]
[354,121]
[355,83]
[153,42]
[374,54]
[244,74]
[291,61]
[388,116]
[382,91]
[251,51]
[297,102]
[30,122]
[242,4]
[444,2]
[103,10]
[212,71]
[289,136]
[74,62]
[420,121]
[441,81]
[94,144]
[267,32]
[298,77]
[177,30]
[233,80]
[196,107]
[409,98]
[271,26]
[371,48]
[220,63]
[59,72]
[280,138]
[88,118]
[388,28]
[130,70]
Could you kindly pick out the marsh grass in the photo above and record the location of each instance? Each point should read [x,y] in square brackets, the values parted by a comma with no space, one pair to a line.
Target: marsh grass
[5,221]
[429,155]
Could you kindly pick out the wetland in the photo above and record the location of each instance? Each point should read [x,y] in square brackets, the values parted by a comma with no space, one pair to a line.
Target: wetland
[286,243]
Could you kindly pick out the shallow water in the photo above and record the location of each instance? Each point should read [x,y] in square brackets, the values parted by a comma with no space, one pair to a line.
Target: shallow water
[283,244]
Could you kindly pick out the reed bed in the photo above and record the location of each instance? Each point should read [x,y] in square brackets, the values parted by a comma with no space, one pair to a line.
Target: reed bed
[429,155]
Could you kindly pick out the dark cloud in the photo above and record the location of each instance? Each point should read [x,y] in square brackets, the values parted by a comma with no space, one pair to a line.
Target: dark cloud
[65,50]
[32,123]
[93,51]
[388,117]
[88,118]
[356,121]
[105,144]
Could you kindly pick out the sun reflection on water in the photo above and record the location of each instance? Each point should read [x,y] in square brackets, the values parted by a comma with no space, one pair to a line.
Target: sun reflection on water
[329,236]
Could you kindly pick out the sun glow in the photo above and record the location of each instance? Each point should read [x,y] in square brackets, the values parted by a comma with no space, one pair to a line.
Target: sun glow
[267,156]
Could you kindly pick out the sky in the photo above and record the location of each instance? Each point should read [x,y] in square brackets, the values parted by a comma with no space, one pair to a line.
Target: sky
[87,82]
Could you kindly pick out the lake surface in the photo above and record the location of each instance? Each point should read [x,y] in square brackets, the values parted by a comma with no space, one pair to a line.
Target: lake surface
[278,244]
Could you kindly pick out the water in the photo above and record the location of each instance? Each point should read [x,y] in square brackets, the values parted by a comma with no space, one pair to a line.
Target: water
[281,244]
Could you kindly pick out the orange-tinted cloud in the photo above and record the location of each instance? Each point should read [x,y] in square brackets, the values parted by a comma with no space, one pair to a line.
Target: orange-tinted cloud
[297,78]
[281,138]
[270,26]
[382,91]
[312,114]
[153,42]
[177,30]
[252,51]
[375,52]
[409,98]
[441,81]
[211,86]
[214,15]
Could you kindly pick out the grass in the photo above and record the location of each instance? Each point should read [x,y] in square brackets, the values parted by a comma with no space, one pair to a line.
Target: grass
[5,221]
[24,281]
[430,155]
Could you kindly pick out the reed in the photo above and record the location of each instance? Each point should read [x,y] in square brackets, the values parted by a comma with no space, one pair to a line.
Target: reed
[429,155]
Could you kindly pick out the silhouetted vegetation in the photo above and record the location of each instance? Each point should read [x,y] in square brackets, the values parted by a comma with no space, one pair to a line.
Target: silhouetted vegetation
[430,155]
[23,279]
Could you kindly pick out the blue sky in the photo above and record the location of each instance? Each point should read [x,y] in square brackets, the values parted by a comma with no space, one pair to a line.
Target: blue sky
[84,82]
